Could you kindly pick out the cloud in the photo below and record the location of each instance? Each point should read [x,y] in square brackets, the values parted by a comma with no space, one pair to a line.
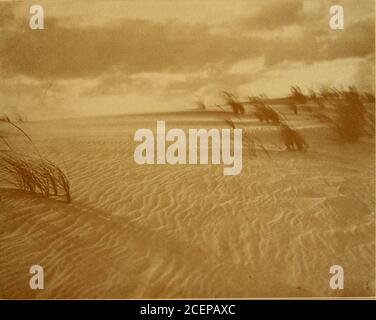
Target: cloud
[364,77]
[131,46]
[357,40]
[340,73]
[139,64]
[274,15]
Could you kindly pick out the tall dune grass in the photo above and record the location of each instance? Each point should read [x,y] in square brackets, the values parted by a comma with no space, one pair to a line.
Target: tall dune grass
[252,139]
[292,139]
[263,112]
[297,94]
[201,105]
[344,111]
[32,173]
[232,101]
[348,118]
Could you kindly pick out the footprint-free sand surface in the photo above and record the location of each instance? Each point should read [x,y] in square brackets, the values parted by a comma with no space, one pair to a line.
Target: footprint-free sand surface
[183,231]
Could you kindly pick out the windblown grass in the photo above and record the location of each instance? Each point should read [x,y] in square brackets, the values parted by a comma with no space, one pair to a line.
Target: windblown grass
[263,112]
[297,94]
[251,139]
[292,139]
[32,173]
[348,117]
[201,105]
[232,101]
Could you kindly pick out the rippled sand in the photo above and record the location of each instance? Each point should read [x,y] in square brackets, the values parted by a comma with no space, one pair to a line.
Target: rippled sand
[162,231]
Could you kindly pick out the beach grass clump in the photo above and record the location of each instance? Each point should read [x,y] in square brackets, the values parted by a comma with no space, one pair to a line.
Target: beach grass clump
[32,173]
[201,105]
[292,139]
[349,116]
[345,112]
[35,175]
[263,112]
[231,100]
[297,94]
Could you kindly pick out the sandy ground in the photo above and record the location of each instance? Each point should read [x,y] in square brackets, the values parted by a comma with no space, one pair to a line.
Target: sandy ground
[163,231]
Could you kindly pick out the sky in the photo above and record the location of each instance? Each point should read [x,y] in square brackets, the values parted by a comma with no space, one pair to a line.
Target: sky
[112,57]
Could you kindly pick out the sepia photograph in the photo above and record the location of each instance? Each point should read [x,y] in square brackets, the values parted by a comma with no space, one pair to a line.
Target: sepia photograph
[187,150]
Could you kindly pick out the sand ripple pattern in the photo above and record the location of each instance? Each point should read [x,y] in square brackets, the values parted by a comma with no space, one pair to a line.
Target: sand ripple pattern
[188,231]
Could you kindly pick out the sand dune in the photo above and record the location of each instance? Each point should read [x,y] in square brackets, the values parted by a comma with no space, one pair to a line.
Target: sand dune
[158,231]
